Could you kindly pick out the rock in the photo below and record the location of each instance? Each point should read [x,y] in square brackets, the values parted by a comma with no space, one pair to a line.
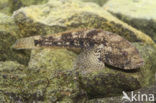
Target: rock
[28,85]
[11,74]
[58,16]
[9,6]
[99,2]
[4,6]
[8,35]
[52,59]
[106,83]
[7,24]
[118,99]
[16,4]
[148,71]
[57,66]
[50,77]
[99,83]
[111,81]
[137,13]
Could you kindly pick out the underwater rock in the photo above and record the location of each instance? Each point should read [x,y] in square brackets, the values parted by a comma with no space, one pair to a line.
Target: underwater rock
[138,14]
[57,16]
[111,81]
[16,4]
[57,66]
[7,24]
[148,71]
[50,77]
[4,6]
[50,62]
[118,99]
[98,83]
[52,59]
[28,85]
[11,74]
[9,6]
[8,35]
[99,2]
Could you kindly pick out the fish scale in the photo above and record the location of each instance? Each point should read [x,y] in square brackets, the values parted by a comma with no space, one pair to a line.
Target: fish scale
[117,51]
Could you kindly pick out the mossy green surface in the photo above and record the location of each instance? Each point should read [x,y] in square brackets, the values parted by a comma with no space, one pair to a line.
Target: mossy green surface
[148,71]
[50,77]
[133,8]
[112,81]
[109,84]
[16,4]
[8,35]
[9,6]
[52,59]
[57,16]
[7,24]
[118,99]
[41,84]
[99,2]
[57,64]
[138,14]
[4,7]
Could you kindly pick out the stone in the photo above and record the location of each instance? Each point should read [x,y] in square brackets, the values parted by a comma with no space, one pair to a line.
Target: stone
[137,13]
[8,35]
[9,6]
[99,2]
[58,16]
[11,74]
[17,4]
[38,84]
[50,76]
[110,82]
[51,70]
[57,66]
[148,71]
[4,7]
[118,99]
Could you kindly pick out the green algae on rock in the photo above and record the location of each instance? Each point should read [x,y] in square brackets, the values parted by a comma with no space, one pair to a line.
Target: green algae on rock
[8,35]
[138,14]
[57,65]
[50,78]
[110,81]
[118,99]
[148,71]
[10,75]
[99,2]
[9,6]
[107,83]
[4,7]
[57,16]
[27,85]
[52,59]
[16,4]
[7,24]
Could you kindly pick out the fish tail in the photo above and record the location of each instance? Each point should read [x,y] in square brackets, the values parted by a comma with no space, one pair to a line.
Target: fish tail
[25,43]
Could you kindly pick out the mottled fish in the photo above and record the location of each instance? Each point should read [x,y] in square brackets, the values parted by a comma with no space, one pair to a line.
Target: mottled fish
[116,51]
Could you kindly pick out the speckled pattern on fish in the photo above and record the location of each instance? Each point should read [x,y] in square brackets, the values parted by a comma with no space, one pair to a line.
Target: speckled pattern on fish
[116,51]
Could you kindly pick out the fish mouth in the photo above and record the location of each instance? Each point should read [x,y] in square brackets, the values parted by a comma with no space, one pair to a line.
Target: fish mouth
[138,64]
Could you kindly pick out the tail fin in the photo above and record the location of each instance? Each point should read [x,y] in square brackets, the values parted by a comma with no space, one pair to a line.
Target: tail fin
[25,43]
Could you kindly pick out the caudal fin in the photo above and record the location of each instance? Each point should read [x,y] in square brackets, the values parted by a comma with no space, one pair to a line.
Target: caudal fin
[25,43]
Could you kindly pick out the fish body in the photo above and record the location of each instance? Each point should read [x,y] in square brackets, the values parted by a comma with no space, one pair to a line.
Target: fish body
[116,51]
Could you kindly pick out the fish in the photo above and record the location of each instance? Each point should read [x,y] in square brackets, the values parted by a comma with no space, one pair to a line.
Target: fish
[116,51]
